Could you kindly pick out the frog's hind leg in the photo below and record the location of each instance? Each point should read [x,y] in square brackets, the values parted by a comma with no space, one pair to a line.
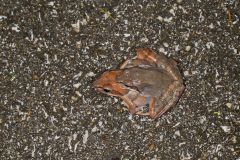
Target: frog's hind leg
[124,65]
[146,54]
[160,60]
[171,99]
[152,113]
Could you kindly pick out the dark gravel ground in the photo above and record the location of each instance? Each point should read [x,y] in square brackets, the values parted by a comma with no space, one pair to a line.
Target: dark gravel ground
[51,51]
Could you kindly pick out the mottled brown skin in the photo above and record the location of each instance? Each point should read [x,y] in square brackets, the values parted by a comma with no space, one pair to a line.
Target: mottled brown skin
[147,79]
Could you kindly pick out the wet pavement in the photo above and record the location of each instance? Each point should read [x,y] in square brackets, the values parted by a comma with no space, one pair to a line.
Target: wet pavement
[51,52]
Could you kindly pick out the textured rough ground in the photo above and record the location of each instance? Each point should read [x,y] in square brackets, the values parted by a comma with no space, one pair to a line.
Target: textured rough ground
[50,52]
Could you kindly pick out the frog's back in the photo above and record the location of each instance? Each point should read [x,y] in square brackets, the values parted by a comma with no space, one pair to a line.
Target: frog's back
[151,81]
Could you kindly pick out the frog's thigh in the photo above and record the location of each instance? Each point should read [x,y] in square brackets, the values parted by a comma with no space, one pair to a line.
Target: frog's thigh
[170,66]
[175,71]
[152,112]
[161,111]
[173,62]
[171,97]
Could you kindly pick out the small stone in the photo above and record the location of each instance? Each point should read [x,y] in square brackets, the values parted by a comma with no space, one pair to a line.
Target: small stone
[126,35]
[172,12]
[94,129]
[2,17]
[84,22]
[16,28]
[151,146]
[210,45]
[76,26]
[78,93]
[186,73]
[188,48]
[73,98]
[35,77]
[77,85]
[168,20]
[226,129]
[229,105]
[90,74]
[51,3]
[85,137]
[77,75]
[46,83]
[160,18]
[234,139]
[100,123]
[78,44]
[165,44]
[211,26]
[161,138]
[144,39]
[177,133]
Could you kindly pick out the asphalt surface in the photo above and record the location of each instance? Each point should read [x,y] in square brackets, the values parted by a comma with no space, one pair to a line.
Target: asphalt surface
[51,51]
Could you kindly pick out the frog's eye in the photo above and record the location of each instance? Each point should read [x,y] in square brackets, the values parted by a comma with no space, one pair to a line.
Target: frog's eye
[107,90]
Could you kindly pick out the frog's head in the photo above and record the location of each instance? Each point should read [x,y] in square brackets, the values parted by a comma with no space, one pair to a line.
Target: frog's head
[107,83]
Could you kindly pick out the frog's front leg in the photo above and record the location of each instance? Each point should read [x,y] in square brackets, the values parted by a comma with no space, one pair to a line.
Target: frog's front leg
[130,105]
[151,111]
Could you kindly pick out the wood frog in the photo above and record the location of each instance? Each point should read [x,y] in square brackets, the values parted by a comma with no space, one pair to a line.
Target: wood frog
[148,80]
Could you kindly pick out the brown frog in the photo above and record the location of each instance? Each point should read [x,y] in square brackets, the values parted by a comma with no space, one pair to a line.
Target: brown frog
[149,79]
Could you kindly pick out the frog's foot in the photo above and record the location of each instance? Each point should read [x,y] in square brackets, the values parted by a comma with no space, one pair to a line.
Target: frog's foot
[125,64]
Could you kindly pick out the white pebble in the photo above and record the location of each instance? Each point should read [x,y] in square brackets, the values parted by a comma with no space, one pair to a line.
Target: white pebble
[90,74]
[188,48]
[85,137]
[229,105]
[165,44]
[76,26]
[177,133]
[226,129]
[186,73]
[94,129]
[160,18]
[77,85]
